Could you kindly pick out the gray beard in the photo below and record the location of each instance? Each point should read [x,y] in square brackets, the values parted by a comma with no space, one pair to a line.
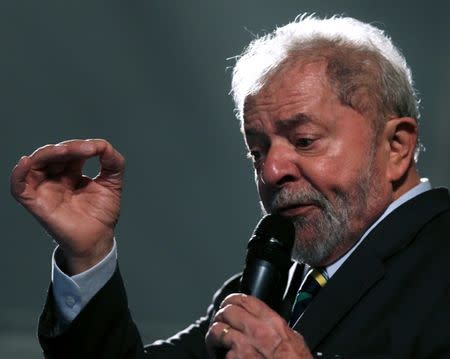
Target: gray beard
[331,228]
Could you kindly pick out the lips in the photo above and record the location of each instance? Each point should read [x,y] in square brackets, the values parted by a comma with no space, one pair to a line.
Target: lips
[299,209]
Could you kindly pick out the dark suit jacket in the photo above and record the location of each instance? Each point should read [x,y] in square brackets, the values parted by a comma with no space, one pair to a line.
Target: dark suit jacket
[390,299]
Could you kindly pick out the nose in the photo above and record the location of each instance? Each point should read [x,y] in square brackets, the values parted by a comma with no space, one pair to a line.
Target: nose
[279,166]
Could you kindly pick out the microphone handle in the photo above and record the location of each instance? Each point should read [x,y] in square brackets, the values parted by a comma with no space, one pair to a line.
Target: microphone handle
[263,280]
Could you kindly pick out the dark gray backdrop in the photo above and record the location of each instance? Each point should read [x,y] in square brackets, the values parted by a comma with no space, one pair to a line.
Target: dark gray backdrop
[151,77]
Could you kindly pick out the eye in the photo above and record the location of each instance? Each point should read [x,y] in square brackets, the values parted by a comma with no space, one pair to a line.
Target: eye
[254,155]
[304,142]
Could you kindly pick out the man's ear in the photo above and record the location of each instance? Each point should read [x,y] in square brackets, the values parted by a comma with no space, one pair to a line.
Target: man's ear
[401,135]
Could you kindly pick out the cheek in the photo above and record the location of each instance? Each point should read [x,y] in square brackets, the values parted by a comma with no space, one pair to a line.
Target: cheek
[262,189]
[350,151]
[265,193]
[334,174]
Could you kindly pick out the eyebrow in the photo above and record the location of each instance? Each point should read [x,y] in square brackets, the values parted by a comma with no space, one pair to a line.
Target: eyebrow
[286,125]
[282,125]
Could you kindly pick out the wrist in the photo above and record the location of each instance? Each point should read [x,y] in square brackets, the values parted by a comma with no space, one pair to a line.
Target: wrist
[76,263]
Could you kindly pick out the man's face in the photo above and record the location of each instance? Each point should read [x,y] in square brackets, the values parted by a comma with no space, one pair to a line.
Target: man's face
[315,161]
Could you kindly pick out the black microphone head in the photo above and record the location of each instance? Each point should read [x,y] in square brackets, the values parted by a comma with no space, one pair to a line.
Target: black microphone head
[276,227]
[268,259]
[272,240]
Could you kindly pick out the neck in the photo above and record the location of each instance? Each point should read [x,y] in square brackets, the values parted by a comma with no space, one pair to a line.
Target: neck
[408,181]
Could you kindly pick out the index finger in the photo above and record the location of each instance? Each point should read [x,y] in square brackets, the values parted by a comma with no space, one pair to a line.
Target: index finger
[251,304]
[65,151]
[18,176]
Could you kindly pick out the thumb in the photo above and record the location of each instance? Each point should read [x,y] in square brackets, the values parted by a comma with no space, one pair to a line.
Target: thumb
[112,165]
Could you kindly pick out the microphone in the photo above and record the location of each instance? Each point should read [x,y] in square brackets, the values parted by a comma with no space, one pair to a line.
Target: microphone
[268,260]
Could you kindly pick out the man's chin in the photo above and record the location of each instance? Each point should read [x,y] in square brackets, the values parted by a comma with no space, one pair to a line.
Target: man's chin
[306,227]
[310,248]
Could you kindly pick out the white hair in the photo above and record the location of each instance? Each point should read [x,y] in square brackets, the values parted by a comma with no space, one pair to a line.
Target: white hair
[358,55]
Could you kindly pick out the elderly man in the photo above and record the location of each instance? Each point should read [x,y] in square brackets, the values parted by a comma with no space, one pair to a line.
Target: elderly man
[329,115]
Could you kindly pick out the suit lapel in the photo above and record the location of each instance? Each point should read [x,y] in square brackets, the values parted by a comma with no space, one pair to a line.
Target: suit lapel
[337,298]
[364,268]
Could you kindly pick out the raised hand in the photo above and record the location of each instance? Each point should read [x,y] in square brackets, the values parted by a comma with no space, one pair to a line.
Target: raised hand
[246,328]
[79,212]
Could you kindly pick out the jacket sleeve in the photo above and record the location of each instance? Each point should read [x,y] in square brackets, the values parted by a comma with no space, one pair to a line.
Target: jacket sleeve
[105,329]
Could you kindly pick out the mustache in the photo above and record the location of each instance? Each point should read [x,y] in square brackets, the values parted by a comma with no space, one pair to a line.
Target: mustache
[289,198]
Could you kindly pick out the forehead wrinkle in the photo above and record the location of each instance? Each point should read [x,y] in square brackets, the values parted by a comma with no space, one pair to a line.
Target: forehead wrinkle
[271,109]
[271,104]
[283,103]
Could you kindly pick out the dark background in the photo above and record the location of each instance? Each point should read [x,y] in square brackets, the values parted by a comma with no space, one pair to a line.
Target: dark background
[152,78]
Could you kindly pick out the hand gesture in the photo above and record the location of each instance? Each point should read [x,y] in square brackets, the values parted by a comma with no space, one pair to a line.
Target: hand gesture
[79,212]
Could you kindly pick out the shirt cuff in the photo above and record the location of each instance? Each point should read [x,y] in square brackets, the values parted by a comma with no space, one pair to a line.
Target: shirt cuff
[71,294]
